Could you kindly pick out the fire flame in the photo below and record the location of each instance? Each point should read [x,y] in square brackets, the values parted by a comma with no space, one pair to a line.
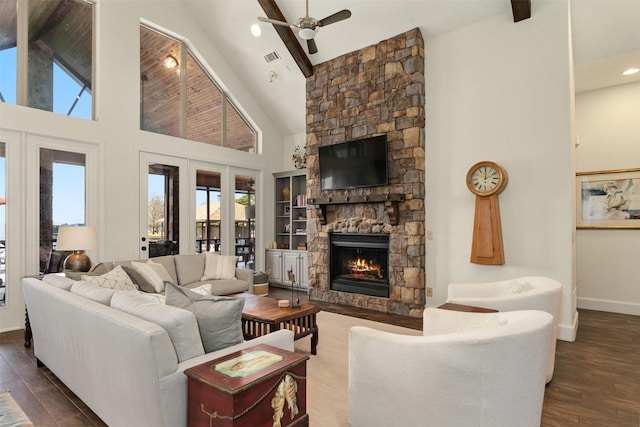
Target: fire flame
[360,266]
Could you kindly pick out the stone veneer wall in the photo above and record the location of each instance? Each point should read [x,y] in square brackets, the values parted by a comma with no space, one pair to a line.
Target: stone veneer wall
[376,90]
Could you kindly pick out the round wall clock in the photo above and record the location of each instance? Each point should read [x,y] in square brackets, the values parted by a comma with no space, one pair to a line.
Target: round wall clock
[486,180]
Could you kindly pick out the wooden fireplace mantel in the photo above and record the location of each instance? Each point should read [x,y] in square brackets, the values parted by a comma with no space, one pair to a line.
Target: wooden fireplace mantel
[390,203]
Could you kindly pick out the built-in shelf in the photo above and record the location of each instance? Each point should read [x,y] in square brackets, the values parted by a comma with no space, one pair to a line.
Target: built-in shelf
[390,202]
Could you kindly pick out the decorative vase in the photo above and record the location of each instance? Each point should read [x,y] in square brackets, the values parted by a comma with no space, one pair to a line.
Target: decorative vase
[286,192]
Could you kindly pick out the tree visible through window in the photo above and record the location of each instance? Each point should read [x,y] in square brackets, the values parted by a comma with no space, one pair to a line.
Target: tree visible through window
[201,111]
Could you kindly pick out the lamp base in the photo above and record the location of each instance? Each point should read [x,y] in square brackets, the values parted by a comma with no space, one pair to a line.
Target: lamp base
[77,261]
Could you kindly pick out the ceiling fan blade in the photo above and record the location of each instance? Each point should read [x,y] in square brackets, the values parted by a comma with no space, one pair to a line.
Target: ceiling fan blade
[311,45]
[274,21]
[336,17]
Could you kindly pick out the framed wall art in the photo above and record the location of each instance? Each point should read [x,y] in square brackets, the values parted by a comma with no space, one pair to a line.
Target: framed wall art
[608,199]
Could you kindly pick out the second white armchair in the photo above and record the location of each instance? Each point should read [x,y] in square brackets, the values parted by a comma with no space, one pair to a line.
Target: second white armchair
[521,293]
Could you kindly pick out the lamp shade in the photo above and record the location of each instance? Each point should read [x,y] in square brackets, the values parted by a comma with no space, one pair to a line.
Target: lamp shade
[77,238]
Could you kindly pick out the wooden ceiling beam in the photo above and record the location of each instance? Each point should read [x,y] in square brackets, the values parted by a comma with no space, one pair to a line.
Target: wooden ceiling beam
[521,9]
[288,37]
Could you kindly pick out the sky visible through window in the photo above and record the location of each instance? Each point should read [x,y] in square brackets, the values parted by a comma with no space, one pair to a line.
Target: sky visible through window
[68,205]
[65,88]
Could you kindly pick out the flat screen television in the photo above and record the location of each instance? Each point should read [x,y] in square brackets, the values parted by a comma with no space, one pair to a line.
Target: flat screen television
[352,164]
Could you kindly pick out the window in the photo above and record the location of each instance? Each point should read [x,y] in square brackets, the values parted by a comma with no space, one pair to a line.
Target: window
[62,201]
[59,52]
[178,97]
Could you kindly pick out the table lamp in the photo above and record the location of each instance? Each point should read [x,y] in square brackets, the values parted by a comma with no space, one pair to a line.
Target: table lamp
[77,239]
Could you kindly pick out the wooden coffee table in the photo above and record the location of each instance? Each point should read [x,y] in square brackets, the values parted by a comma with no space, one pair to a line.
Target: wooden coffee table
[261,315]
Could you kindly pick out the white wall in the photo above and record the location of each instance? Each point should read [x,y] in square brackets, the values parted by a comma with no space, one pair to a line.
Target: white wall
[115,134]
[503,92]
[608,127]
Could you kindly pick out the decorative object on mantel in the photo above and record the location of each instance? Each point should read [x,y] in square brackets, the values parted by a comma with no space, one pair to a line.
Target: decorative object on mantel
[390,203]
[486,180]
[299,158]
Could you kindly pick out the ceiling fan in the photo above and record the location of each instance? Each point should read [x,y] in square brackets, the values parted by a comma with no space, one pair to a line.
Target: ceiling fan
[308,25]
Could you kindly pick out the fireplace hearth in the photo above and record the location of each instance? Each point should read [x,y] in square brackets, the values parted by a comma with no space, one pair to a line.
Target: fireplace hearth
[359,263]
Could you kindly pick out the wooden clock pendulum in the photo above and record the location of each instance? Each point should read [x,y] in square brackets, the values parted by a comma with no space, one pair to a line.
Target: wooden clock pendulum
[486,180]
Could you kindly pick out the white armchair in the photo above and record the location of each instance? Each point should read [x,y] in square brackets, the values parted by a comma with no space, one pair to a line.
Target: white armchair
[468,369]
[522,293]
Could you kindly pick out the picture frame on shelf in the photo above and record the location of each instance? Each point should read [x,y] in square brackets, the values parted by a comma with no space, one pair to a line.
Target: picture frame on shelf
[608,199]
[286,211]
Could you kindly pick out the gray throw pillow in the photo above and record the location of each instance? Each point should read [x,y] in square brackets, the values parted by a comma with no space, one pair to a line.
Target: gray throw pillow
[139,280]
[219,318]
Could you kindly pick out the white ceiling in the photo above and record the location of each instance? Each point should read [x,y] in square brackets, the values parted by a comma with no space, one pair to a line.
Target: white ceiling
[606,39]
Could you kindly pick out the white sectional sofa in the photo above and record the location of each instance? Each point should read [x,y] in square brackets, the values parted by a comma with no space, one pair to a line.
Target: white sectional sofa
[127,370]
[188,271]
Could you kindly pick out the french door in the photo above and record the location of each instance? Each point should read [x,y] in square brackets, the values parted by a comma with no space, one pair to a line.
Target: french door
[164,202]
[189,206]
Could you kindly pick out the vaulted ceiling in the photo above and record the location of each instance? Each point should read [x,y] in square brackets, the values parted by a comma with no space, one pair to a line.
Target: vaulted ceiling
[606,37]
[601,30]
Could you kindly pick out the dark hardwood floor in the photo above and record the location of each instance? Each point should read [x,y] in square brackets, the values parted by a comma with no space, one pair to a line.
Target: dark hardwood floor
[596,380]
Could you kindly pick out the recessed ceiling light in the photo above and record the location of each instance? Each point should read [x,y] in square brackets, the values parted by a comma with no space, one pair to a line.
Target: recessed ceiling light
[631,71]
[256,30]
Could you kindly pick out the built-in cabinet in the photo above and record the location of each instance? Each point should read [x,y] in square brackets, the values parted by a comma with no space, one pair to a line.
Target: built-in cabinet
[280,262]
[290,229]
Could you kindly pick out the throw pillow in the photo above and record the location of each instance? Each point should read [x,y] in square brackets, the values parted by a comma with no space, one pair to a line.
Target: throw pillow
[153,272]
[116,279]
[514,288]
[138,279]
[218,267]
[203,289]
[483,322]
[219,318]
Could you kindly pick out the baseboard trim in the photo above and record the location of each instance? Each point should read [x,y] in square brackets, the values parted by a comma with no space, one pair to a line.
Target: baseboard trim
[569,332]
[612,306]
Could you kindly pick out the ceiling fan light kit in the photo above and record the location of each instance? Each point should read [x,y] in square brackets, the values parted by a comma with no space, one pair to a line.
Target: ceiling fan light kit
[307,25]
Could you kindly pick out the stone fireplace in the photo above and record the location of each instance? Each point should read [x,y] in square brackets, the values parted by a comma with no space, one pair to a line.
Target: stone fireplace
[359,263]
[376,90]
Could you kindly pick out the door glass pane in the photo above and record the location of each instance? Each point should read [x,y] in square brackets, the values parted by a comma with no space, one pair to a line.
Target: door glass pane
[208,211]
[60,57]
[62,202]
[3,224]
[245,214]
[163,210]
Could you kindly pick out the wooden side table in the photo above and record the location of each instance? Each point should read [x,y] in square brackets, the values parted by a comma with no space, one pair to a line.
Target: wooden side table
[467,308]
[259,386]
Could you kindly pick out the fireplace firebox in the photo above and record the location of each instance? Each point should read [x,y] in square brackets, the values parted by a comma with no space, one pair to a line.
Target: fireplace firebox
[359,263]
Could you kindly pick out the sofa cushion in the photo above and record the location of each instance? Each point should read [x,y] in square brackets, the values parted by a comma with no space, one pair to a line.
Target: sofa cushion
[181,325]
[189,268]
[58,281]
[222,287]
[116,279]
[94,292]
[219,318]
[218,266]
[153,272]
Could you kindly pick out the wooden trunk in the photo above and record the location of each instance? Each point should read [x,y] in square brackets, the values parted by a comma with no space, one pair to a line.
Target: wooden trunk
[239,390]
